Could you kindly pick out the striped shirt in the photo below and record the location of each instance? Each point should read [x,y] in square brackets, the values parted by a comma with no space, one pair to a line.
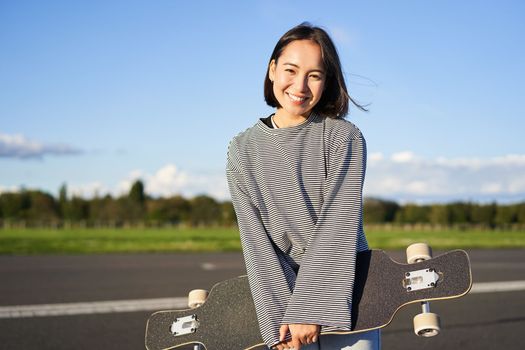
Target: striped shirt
[297,193]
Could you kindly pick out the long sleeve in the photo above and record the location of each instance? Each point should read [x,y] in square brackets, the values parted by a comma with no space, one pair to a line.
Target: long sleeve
[269,275]
[324,284]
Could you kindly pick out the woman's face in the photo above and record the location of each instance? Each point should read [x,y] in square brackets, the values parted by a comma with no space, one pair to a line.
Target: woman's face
[298,78]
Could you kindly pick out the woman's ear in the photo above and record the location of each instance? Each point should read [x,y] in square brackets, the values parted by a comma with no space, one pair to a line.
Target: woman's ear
[271,70]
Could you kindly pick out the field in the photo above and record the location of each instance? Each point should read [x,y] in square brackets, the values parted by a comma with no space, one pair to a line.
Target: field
[133,240]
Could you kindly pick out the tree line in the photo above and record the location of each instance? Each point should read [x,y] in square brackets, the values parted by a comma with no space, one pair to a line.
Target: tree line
[38,208]
[489,215]
[35,208]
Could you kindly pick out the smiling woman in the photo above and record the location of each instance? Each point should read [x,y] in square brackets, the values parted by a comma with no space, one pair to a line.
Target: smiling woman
[310,58]
[296,180]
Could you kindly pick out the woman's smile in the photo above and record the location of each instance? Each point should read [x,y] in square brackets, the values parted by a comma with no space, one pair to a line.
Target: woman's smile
[297,99]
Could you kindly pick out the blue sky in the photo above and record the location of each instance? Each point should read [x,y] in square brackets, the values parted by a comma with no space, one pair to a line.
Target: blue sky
[96,94]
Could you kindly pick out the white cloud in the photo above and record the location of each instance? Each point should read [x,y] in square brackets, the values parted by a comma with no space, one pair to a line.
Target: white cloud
[418,187]
[166,181]
[375,157]
[169,180]
[4,189]
[407,176]
[403,157]
[510,160]
[18,146]
[88,190]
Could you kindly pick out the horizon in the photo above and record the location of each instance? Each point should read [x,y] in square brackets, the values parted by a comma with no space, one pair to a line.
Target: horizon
[97,195]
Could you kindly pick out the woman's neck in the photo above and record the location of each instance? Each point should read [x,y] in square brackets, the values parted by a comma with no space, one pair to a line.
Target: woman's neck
[282,119]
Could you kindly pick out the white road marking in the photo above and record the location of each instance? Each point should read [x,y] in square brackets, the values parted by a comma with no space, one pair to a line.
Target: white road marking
[113,306]
[493,287]
[96,307]
[209,266]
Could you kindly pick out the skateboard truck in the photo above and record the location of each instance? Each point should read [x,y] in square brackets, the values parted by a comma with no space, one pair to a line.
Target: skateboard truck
[426,324]
[184,325]
[420,279]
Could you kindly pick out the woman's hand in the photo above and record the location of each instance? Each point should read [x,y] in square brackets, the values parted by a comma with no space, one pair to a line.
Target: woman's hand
[302,334]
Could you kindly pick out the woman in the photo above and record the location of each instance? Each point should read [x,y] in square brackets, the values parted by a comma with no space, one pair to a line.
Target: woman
[296,180]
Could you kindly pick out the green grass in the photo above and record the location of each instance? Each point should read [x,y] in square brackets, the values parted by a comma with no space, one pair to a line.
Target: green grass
[446,239]
[124,240]
[133,240]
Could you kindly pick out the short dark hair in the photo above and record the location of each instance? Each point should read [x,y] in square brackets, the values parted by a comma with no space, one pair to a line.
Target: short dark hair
[335,97]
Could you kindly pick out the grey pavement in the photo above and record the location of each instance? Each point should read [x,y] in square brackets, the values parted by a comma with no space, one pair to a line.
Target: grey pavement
[477,321]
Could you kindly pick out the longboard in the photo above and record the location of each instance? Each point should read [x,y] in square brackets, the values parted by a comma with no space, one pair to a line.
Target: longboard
[227,319]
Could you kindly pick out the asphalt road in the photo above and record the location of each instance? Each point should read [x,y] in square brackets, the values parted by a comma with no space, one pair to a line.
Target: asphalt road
[492,320]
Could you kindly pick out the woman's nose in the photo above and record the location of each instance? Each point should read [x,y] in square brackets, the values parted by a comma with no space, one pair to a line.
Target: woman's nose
[301,83]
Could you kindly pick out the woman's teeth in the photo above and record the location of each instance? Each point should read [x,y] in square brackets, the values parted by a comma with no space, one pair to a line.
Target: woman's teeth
[296,98]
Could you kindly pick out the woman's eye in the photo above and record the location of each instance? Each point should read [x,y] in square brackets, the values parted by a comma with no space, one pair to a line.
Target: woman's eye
[315,76]
[288,70]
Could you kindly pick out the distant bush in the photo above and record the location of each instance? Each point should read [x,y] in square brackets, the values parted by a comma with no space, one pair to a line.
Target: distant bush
[34,208]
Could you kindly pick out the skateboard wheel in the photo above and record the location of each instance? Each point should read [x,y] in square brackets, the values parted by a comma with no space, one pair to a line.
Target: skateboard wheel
[197,297]
[418,251]
[427,324]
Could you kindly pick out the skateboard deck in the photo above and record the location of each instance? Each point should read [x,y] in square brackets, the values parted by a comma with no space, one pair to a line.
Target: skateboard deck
[227,320]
